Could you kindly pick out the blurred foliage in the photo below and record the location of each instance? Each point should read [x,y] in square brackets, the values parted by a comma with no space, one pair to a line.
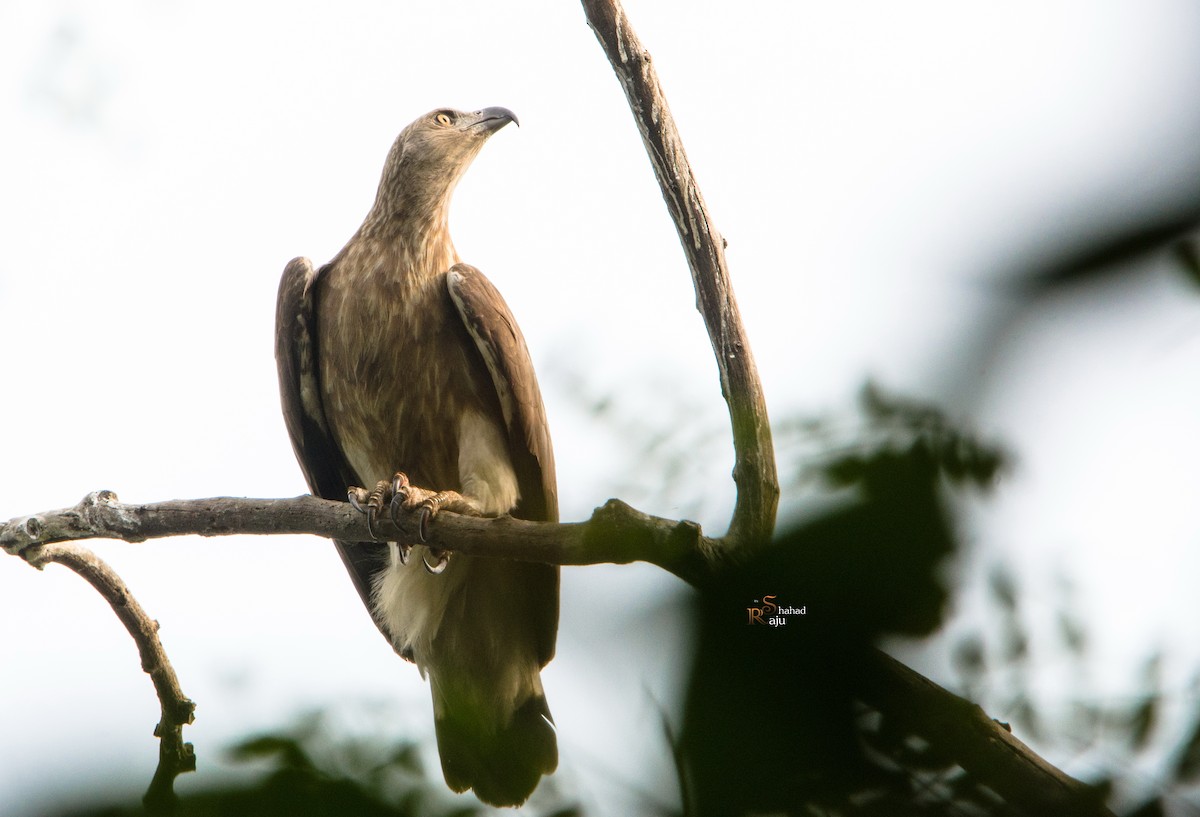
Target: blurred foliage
[312,769]
[770,723]
[855,452]
[1104,251]
[1153,727]
[1187,254]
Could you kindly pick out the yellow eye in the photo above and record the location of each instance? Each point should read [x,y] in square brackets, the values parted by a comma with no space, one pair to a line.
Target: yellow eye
[442,119]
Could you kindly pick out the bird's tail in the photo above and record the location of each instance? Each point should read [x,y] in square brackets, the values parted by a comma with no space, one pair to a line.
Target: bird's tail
[498,749]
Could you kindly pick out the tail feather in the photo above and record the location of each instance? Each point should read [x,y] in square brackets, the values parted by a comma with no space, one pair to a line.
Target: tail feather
[501,761]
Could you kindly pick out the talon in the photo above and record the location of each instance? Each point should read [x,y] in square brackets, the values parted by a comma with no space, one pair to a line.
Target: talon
[428,509]
[364,503]
[426,513]
[401,497]
[443,559]
[400,483]
[402,552]
[375,507]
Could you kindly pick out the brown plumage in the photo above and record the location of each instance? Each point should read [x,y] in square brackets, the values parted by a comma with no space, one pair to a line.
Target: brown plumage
[395,356]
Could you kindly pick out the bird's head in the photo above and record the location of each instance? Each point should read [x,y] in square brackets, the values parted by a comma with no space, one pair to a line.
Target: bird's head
[430,156]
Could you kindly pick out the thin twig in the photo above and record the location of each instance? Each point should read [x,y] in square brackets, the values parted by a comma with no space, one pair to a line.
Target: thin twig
[174,755]
[754,471]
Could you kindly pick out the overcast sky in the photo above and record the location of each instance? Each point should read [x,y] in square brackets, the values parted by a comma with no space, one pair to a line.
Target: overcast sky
[872,165]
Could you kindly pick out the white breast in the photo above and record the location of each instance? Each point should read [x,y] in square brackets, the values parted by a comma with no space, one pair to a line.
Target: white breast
[485,470]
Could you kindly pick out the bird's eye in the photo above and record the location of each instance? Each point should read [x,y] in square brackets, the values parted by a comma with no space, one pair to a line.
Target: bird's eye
[442,119]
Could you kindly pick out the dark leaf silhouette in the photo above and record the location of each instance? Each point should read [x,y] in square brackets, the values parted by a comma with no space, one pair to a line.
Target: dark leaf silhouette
[1187,764]
[1098,256]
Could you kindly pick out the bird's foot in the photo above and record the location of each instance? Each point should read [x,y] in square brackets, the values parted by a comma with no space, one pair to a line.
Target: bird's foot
[406,496]
[371,504]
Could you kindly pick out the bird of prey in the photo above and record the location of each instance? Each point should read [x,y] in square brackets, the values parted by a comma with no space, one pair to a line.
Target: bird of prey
[402,369]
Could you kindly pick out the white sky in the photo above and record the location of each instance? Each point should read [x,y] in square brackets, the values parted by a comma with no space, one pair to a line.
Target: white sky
[867,162]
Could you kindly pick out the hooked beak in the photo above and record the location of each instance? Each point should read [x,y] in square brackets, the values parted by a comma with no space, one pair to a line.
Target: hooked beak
[490,120]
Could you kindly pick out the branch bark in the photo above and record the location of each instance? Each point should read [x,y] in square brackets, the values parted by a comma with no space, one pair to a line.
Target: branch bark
[616,533]
[1012,768]
[754,471]
[981,745]
[174,755]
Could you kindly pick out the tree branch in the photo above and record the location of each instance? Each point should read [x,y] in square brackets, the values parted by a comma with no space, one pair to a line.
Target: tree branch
[991,753]
[616,532]
[981,745]
[754,456]
[174,755]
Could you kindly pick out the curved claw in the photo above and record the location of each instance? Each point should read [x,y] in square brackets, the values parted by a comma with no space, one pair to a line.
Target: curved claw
[399,482]
[356,496]
[402,552]
[443,559]
[426,513]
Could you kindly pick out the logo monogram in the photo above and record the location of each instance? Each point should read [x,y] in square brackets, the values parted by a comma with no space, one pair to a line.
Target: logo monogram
[772,614]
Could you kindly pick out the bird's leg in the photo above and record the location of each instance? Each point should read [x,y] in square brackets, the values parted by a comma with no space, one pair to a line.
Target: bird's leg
[409,497]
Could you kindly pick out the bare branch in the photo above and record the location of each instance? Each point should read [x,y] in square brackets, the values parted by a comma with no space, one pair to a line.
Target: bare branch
[616,533]
[754,465]
[990,752]
[174,755]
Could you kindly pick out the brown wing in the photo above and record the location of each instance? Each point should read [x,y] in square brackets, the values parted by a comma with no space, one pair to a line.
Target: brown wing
[500,343]
[499,340]
[297,351]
